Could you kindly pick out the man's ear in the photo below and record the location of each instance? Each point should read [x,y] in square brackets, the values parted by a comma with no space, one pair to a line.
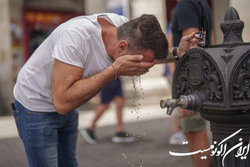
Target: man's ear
[123,47]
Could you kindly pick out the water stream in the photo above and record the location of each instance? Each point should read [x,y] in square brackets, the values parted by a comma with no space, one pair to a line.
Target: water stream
[138,96]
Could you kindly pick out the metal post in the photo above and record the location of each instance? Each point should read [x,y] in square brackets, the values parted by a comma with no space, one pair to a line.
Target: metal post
[5,59]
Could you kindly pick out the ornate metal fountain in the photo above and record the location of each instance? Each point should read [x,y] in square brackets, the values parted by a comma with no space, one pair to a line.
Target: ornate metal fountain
[215,81]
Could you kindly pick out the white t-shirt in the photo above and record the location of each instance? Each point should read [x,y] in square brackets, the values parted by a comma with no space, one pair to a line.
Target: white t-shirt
[77,42]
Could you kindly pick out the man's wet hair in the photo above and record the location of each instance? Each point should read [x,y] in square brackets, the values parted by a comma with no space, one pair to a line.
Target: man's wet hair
[144,33]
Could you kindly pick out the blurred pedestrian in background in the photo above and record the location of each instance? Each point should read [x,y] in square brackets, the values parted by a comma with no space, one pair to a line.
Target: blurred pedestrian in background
[193,16]
[177,137]
[112,92]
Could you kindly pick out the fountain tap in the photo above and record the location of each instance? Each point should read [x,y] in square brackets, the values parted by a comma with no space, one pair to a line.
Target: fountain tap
[190,102]
[171,104]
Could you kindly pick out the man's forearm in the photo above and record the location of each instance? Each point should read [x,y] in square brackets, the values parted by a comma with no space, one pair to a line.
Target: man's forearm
[82,90]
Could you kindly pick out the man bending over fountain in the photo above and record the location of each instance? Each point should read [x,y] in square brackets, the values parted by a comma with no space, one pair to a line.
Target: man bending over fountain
[74,63]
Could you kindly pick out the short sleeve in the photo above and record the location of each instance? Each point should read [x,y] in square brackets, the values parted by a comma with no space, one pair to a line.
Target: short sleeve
[117,20]
[68,49]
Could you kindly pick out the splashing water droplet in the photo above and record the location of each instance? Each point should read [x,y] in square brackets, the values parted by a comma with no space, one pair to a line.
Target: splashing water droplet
[124,156]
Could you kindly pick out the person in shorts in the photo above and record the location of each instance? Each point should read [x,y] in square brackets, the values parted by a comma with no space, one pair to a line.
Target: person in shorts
[111,92]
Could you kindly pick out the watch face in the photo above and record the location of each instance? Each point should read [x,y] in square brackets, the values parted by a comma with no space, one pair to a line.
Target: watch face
[175,54]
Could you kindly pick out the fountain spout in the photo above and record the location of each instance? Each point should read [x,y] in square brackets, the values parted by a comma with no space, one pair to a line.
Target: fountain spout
[190,102]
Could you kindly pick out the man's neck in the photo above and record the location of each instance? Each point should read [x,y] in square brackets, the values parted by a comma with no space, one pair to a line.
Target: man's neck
[109,36]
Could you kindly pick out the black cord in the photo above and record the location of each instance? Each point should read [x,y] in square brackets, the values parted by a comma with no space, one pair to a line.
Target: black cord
[204,19]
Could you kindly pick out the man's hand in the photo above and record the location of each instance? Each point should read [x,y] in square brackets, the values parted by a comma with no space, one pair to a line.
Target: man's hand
[187,42]
[131,65]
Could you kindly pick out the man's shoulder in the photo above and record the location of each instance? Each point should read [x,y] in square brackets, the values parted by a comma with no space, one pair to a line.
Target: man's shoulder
[80,26]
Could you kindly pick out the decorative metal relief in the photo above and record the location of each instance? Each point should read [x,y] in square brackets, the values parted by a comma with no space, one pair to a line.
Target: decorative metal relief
[241,82]
[197,72]
[183,86]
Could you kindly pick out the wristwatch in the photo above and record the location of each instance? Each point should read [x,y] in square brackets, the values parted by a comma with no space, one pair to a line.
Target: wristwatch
[175,55]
